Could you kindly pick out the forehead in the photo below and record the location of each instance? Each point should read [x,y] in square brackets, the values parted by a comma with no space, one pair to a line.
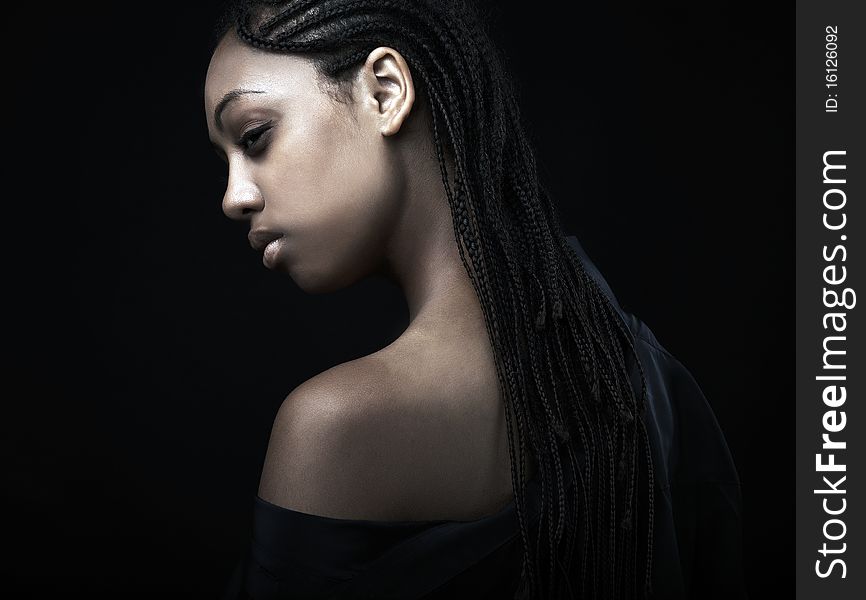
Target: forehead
[236,65]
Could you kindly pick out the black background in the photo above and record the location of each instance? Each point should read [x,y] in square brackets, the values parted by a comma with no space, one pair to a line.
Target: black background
[149,348]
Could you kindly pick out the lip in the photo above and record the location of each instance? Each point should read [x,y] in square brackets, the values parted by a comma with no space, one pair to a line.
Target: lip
[269,242]
[261,238]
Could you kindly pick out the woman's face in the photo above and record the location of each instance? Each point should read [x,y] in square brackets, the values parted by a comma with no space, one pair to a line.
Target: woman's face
[311,175]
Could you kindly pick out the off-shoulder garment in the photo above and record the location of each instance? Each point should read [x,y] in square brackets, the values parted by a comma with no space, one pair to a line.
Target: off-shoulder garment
[697,519]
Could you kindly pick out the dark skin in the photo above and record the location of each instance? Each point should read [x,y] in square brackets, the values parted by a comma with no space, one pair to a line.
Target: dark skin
[416,430]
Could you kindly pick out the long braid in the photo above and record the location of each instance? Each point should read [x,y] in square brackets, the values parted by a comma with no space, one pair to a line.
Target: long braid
[559,345]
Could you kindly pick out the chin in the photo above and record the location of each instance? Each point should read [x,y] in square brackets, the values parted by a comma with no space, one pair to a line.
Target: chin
[321,280]
[311,281]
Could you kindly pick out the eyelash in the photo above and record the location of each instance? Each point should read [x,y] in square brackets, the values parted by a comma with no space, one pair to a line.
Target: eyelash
[249,140]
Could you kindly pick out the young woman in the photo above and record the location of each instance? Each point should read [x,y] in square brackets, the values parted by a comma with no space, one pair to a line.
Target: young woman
[523,436]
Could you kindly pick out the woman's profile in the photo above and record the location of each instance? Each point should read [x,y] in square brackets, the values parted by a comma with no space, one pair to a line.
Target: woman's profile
[524,436]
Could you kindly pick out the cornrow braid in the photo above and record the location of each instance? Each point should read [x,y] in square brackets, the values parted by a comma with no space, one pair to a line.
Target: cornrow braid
[562,353]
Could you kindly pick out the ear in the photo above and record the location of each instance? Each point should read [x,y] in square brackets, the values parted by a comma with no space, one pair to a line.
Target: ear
[389,88]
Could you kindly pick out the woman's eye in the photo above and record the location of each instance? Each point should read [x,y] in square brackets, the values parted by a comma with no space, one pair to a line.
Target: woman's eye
[249,141]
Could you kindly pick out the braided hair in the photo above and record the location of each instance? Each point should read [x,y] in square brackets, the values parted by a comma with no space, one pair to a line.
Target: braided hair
[561,350]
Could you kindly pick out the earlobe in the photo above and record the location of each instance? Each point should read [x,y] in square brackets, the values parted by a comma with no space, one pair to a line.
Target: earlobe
[392,87]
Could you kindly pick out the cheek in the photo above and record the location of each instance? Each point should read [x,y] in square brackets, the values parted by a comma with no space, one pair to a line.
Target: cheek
[334,187]
[358,189]
[360,206]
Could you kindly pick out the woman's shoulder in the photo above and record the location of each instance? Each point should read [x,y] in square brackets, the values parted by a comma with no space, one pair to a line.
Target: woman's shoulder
[363,440]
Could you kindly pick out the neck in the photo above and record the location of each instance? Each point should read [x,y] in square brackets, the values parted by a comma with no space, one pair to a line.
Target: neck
[423,260]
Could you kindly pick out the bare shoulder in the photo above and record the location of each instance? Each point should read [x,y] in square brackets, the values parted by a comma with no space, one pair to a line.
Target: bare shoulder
[321,446]
[360,442]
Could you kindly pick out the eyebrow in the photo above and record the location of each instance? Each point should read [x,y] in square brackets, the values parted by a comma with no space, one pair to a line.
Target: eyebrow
[226,100]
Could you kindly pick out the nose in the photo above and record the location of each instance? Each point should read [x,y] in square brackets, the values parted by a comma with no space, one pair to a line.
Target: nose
[242,198]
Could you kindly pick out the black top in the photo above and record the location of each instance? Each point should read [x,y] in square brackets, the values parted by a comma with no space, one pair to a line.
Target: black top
[697,523]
